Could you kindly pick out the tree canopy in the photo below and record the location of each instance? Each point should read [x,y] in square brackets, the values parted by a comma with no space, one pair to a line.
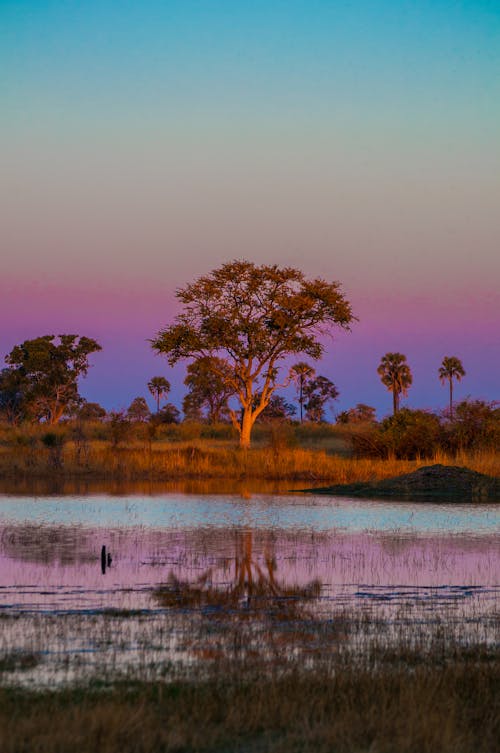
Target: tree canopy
[451,368]
[252,317]
[47,370]
[396,375]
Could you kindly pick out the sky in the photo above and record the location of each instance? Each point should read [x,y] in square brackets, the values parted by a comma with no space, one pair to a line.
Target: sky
[145,142]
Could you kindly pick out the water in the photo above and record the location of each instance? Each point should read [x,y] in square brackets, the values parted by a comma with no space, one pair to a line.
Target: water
[197,579]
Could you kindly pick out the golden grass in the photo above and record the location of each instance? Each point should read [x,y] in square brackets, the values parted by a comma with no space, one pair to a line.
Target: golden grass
[428,708]
[212,459]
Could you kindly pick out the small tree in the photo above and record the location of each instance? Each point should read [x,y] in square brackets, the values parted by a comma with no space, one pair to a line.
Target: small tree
[278,410]
[208,381]
[49,369]
[361,414]
[450,369]
[138,410]
[318,392]
[252,317]
[159,387]
[301,373]
[395,374]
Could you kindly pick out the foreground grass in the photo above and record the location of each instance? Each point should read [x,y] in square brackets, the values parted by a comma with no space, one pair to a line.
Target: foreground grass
[426,709]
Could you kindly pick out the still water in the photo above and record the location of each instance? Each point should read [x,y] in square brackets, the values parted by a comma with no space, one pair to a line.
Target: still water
[201,578]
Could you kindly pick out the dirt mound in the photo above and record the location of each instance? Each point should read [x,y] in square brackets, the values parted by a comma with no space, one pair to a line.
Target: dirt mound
[431,481]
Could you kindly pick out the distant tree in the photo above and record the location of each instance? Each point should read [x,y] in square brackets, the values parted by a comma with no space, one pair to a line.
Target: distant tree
[159,387]
[361,414]
[120,427]
[138,410]
[318,393]
[278,409]
[450,369]
[169,414]
[475,426]
[395,374]
[301,373]
[208,382]
[13,408]
[91,411]
[48,369]
[252,317]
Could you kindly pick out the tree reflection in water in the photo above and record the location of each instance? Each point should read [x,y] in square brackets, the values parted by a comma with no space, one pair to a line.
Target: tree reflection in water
[254,590]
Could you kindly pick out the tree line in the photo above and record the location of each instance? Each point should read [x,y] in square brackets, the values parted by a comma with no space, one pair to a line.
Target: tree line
[237,327]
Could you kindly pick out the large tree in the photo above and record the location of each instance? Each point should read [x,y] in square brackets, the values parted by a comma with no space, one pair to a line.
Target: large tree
[450,369]
[395,374]
[208,382]
[49,367]
[252,317]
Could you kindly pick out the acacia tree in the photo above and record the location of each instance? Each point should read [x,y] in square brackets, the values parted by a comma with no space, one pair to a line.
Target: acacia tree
[301,373]
[451,368]
[48,368]
[209,390]
[158,387]
[318,392]
[251,317]
[396,375]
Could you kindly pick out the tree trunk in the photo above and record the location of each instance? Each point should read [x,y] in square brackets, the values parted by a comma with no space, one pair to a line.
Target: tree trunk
[451,398]
[395,401]
[246,428]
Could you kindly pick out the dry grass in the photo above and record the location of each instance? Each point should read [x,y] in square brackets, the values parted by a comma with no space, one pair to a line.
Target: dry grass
[213,459]
[430,708]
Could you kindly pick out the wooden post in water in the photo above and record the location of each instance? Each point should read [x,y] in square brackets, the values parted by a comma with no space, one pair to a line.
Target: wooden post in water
[103,559]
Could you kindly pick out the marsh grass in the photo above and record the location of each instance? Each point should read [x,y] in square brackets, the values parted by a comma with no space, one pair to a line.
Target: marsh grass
[394,706]
[28,457]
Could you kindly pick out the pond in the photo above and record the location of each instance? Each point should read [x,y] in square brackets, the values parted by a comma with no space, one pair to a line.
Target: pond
[188,581]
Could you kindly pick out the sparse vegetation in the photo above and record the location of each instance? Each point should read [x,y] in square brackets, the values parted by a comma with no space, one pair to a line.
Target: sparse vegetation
[398,704]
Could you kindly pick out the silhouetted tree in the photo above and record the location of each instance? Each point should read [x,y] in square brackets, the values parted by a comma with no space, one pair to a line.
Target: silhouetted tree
[208,381]
[318,392]
[91,411]
[361,414]
[159,387]
[395,374]
[13,408]
[48,369]
[278,409]
[252,317]
[301,373]
[450,369]
[138,410]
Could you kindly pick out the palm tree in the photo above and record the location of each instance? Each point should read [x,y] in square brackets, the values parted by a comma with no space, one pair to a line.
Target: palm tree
[301,373]
[158,386]
[451,368]
[395,374]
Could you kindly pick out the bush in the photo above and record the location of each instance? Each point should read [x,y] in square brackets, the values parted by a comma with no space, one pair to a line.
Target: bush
[475,425]
[406,435]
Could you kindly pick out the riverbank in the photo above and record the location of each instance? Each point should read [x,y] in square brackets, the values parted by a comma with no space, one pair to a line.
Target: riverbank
[399,704]
[213,460]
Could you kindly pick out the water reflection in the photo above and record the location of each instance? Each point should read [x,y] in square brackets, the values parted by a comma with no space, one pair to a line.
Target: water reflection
[152,585]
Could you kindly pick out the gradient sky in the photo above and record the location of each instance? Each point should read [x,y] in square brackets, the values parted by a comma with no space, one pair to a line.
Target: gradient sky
[146,142]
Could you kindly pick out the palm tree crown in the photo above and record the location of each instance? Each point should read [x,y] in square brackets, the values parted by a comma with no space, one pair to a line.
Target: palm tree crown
[396,375]
[301,373]
[451,368]
[158,386]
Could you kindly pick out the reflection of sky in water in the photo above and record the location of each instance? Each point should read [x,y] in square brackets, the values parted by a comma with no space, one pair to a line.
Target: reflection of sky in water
[304,512]
[406,567]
